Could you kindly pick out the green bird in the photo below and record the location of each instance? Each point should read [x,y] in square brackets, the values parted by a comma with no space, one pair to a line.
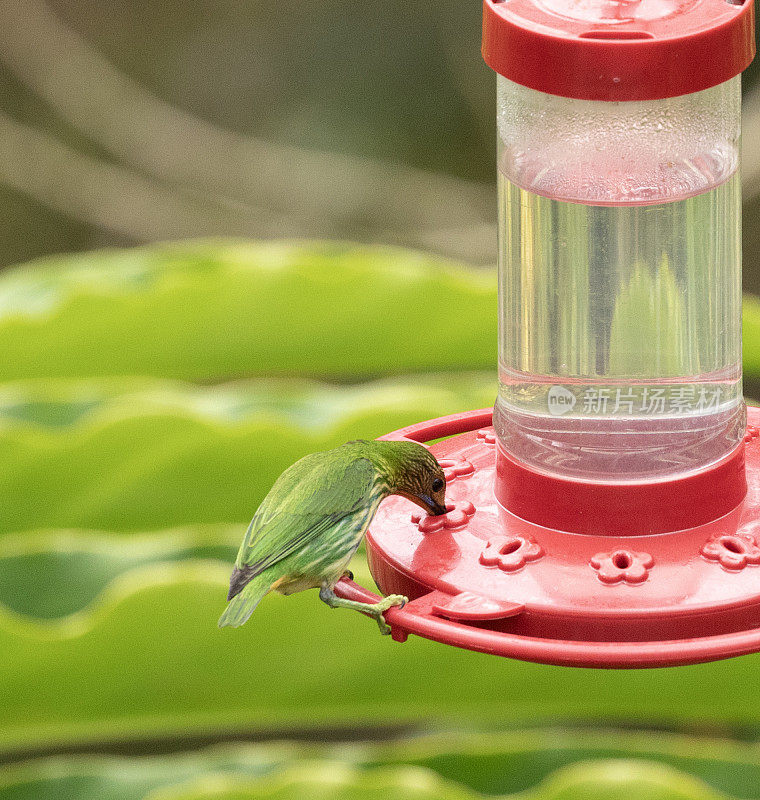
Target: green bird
[309,525]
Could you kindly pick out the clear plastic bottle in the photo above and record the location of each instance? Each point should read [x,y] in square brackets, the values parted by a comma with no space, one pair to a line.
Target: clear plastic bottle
[619,283]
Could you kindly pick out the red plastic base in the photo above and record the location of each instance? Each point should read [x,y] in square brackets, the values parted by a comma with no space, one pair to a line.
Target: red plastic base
[484,579]
[623,509]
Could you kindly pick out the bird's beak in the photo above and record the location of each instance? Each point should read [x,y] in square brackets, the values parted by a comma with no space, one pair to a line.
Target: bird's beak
[434,509]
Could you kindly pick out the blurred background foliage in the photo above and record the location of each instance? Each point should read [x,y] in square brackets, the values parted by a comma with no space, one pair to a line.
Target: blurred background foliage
[150,394]
[136,121]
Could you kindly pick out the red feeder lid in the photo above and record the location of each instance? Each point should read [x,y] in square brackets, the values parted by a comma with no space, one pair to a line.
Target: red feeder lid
[618,49]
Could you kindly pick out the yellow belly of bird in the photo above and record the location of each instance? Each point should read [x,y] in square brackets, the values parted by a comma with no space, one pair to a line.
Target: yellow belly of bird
[290,584]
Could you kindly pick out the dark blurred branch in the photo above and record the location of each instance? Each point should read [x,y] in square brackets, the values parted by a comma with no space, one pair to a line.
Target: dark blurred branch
[751,145]
[326,193]
[109,196]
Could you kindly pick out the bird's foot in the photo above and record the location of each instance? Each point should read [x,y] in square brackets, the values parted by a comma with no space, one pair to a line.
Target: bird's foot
[388,602]
[374,610]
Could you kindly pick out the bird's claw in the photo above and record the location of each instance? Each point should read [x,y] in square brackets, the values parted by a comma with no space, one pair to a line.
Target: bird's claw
[394,600]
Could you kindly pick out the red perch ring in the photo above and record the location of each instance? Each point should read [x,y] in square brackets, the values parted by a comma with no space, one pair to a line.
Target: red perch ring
[484,579]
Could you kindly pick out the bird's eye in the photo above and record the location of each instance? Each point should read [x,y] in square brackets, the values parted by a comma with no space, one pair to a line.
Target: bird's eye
[438,484]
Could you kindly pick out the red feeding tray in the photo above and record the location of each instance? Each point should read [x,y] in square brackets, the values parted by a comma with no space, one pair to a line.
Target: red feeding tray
[616,588]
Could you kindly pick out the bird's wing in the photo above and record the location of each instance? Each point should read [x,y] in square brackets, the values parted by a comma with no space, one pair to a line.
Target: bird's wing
[302,507]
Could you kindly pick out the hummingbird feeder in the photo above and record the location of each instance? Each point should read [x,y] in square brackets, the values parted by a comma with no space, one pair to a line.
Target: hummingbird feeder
[607,512]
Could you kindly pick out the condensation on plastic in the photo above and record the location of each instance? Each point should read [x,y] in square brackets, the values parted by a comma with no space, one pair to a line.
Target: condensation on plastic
[599,152]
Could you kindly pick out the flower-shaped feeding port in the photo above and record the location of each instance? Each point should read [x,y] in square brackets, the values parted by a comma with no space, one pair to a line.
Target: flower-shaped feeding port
[510,553]
[751,433]
[733,551]
[489,437]
[457,516]
[453,469]
[622,565]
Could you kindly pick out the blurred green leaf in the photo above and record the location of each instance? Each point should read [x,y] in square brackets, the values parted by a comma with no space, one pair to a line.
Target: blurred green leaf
[139,454]
[53,574]
[277,772]
[607,780]
[148,660]
[320,781]
[104,778]
[508,762]
[591,781]
[48,575]
[210,310]
[751,335]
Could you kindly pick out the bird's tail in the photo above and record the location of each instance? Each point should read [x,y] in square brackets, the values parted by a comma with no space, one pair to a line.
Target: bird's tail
[244,602]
